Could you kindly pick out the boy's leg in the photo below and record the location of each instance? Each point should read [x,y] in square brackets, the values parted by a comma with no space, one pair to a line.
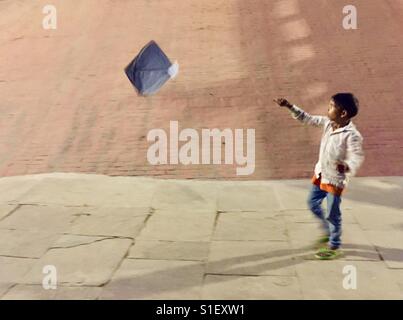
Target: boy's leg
[333,216]
[315,199]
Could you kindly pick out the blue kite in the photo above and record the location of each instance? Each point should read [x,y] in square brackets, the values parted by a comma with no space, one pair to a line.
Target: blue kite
[150,69]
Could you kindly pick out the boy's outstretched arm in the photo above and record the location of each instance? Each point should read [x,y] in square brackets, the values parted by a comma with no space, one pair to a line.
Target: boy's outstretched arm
[301,115]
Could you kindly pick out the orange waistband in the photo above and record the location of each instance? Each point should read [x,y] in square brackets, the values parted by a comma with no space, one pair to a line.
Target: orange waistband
[326,186]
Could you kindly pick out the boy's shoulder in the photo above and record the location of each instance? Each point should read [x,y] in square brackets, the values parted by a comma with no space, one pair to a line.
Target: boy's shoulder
[354,132]
[355,129]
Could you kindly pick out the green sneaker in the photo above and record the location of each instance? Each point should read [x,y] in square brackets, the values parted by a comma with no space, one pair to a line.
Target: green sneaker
[322,241]
[328,254]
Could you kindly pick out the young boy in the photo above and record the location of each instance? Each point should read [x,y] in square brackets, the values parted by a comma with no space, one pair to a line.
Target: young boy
[340,157]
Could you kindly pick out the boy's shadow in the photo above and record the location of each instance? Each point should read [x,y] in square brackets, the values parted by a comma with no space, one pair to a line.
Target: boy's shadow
[156,283]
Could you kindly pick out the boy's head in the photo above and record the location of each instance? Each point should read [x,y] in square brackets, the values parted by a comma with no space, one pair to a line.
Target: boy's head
[343,106]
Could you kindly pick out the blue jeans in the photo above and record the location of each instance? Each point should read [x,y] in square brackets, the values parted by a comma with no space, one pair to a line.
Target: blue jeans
[331,221]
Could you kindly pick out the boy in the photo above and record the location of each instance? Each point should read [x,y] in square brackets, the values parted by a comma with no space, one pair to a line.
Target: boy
[340,156]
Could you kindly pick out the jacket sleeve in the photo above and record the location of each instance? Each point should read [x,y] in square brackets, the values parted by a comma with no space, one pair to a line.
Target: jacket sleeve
[299,114]
[355,153]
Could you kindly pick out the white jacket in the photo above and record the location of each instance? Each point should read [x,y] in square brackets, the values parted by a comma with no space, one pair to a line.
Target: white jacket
[343,145]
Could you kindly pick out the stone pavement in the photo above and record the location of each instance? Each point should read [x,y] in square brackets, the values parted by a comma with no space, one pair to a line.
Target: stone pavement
[145,238]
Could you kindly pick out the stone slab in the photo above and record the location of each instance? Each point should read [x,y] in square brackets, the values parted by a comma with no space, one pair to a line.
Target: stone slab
[155,279]
[247,198]
[227,287]
[12,271]
[170,250]
[6,209]
[96,191]
[242,226]
[115,224]
[25,243]
[251,258]
[389,244]
[48,219]
[176,228]
[37,292]
[88,264]
[373,280]
[379,217]
[182,194]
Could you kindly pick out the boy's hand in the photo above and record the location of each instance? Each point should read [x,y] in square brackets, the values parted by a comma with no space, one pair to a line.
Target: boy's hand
[342,168]
[282,102]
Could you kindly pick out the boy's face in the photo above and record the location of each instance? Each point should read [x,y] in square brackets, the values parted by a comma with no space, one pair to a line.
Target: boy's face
[335,113]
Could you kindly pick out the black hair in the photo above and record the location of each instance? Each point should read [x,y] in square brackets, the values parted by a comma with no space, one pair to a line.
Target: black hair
[347,102]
